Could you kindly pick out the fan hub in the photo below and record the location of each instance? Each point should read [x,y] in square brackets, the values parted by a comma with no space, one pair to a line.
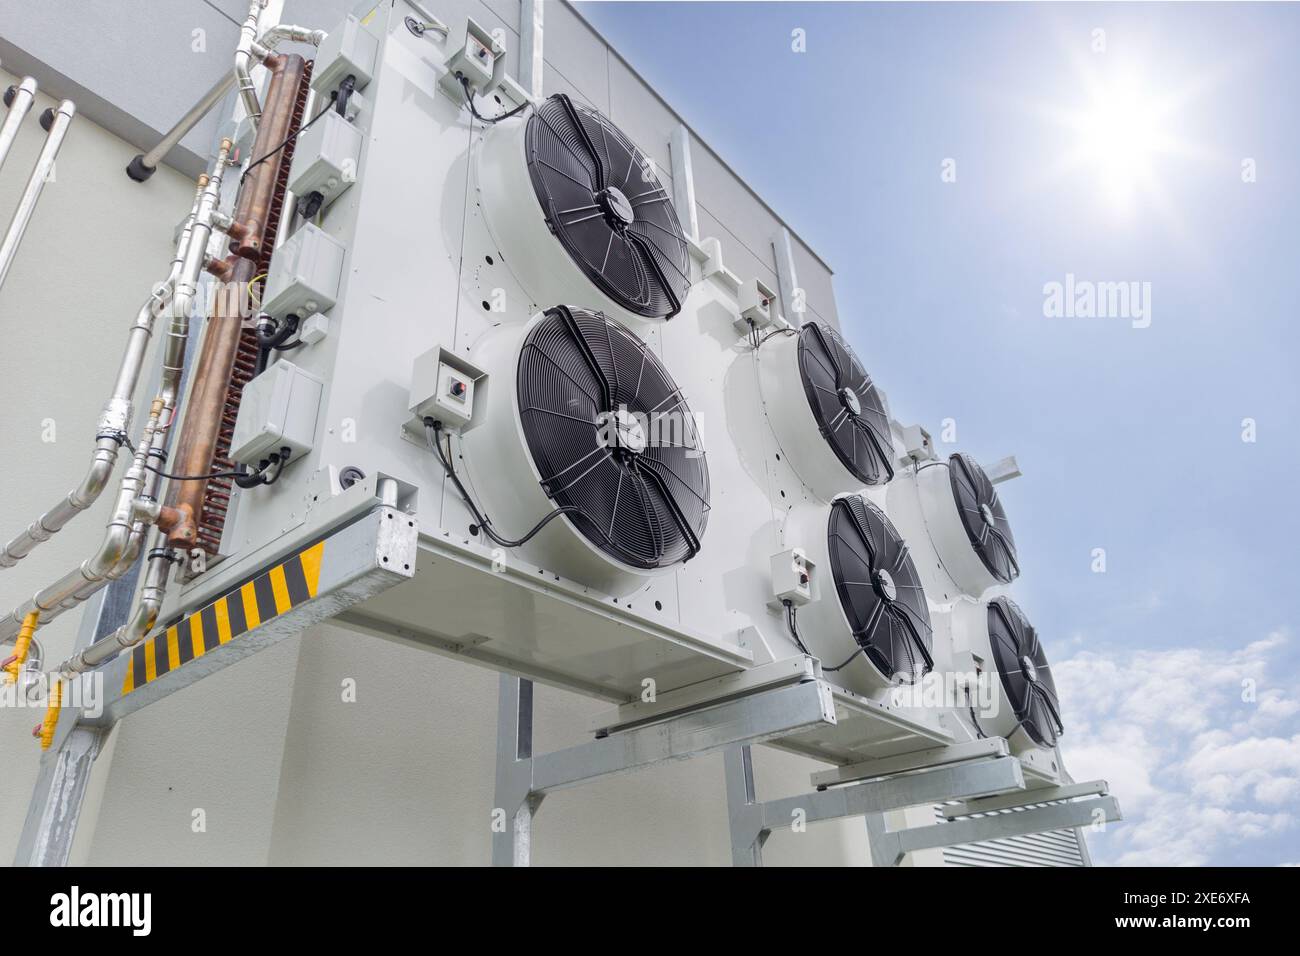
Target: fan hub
[622,431]
[616,207]
[1029,670]
[986,513]
[849,399]
[885,585]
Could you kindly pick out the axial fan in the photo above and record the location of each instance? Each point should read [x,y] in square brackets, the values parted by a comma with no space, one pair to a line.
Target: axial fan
[955,503]
[870,622]
[596,428]
[983,517]
[599,207]
[1027,710]
[838,439]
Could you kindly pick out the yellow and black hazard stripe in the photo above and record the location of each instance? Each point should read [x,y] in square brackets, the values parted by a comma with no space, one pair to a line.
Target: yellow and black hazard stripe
[242,609]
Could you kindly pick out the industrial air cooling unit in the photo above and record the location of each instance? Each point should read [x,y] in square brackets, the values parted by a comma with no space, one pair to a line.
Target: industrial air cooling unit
[1024,708]
[600,229]
[870,623]
[955,503]
[581,416]
[829,418]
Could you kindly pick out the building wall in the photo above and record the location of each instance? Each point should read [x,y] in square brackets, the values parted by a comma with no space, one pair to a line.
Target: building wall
[282,768]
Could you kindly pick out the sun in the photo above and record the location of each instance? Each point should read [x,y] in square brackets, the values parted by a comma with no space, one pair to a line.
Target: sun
[1120,138]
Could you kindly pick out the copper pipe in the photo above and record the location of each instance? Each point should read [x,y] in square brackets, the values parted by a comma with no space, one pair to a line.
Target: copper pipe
[215,362]
[254,203]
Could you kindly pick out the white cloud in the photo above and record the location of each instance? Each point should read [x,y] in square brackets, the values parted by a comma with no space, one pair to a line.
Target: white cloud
[1202,747]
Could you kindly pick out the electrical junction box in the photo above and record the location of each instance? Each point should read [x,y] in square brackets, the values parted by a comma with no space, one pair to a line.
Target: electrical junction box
[326,158]
[305,274]
[278,409]
[480,59]
[348,50]
[442,388]
[756,301]
[916,440]
[792,578]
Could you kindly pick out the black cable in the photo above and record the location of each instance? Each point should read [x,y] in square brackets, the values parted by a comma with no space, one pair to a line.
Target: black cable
[289,139]
[473,110]
[170,477]
[849,660]
[431,430]
[793,627]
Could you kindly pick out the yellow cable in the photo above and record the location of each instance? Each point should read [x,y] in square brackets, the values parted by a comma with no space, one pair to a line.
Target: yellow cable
[22,645]
[52,714]
[258,303]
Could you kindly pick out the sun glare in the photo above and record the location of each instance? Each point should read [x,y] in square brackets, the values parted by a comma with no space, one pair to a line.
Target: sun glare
[1120,138]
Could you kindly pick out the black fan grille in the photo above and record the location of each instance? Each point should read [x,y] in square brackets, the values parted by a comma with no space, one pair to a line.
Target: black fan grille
[846,404]
[1026,675]
[879,589]
[608,208]
[983,517]
[644,499]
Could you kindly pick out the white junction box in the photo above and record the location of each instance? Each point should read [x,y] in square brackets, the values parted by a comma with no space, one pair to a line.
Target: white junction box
[480,59]
[305,274]
[348,51]
[792,578]
[442,387]
[278,409]
[756,301]
[326,159]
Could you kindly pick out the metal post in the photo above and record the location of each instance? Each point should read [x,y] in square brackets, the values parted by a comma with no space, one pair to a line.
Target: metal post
[531,71]
[512,823]
[19,100]
[792,303]
[746,839]
[144,165]
[60,792]
[56,122]
[684,182]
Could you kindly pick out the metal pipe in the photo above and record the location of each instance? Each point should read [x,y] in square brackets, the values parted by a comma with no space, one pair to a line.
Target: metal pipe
[244,63]
[95,571]
[144,165]
[56,128]
[265,45]
[19,100]
[115,419]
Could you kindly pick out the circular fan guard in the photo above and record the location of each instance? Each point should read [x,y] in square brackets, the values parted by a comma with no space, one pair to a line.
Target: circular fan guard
[879,589]
[608,208]
[983,517]
[846,404]
[612,437]
[1026,675]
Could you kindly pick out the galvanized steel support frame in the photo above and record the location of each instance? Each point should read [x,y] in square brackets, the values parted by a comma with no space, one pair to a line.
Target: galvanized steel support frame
[524,779]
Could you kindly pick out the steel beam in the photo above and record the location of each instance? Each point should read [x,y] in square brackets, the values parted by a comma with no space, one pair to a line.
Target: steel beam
[524,779]
[752,821]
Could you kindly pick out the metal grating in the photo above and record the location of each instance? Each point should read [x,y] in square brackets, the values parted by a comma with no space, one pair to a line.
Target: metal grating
[1054,848]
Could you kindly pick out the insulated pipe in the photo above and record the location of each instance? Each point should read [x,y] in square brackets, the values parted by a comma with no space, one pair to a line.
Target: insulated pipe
[95,571]
[56,123]
[244,63]
[115,419]
[268,41]
[19,100]
[144,165]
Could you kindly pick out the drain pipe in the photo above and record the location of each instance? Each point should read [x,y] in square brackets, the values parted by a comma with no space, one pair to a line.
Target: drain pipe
[19,100]
[55,122]
[115,418]
[94,572]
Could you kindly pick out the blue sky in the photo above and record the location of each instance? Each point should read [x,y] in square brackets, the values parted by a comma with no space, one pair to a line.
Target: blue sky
[1122,164]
